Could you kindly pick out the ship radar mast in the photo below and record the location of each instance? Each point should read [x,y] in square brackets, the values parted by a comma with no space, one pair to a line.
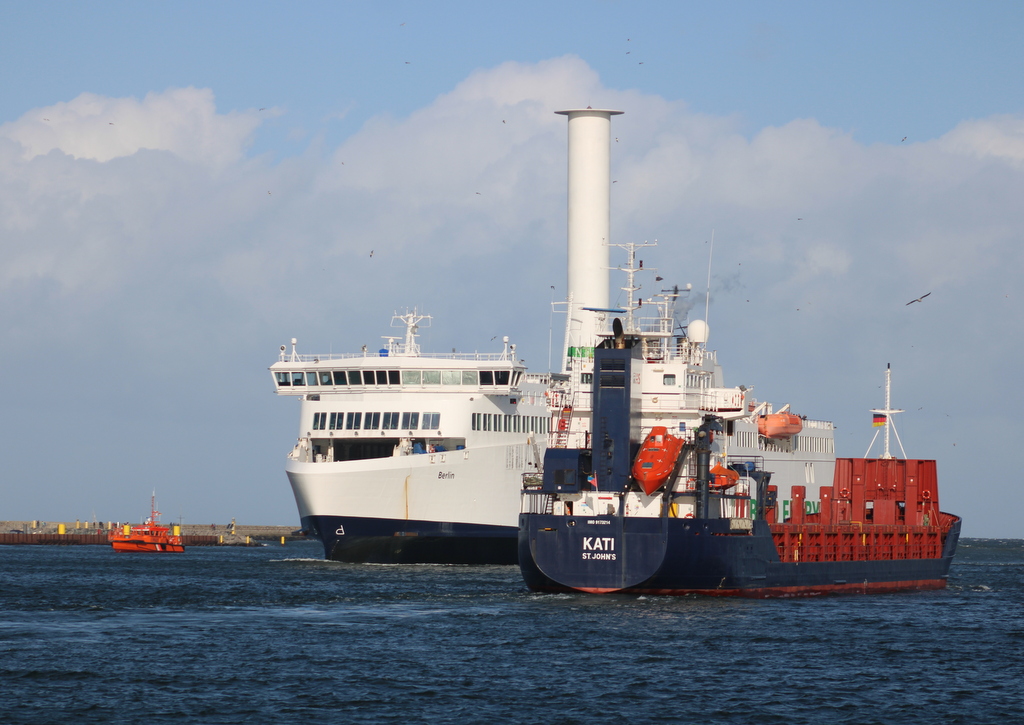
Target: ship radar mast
[411,321]
[887,423]
[631,287]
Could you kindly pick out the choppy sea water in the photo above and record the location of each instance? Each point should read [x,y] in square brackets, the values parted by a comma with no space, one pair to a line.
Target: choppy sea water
[277,635]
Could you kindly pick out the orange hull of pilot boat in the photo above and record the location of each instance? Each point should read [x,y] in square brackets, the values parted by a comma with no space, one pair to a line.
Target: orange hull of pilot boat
[147,537]
[656,459]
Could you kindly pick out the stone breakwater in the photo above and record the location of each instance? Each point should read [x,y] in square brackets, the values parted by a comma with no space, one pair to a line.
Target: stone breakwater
[80,532]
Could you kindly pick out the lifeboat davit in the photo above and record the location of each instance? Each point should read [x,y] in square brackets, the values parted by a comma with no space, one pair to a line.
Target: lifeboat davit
[656,459]
[779,425]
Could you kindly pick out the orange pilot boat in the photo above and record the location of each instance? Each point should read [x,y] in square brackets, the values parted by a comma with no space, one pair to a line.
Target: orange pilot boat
[149,536]
[656,459]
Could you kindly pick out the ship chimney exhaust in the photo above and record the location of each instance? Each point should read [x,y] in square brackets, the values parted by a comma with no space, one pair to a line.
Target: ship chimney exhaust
[589,226]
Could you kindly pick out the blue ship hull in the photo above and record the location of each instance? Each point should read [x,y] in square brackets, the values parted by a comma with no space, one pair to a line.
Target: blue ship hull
[604,554]
[401,541]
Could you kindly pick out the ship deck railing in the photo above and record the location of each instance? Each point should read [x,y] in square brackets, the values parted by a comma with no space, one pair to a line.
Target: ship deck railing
[376,356]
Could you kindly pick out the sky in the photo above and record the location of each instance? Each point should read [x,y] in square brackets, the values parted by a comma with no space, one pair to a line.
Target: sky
[186,186]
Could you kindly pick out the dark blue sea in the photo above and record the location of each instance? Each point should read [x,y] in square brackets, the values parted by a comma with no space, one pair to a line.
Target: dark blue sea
[277,635]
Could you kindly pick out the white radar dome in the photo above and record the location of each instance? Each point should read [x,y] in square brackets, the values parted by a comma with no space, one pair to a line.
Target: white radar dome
[697,331]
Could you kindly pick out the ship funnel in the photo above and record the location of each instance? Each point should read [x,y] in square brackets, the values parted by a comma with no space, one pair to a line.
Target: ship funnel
[589,227]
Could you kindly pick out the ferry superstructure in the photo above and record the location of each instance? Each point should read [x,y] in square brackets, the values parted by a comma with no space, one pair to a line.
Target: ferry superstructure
[407,457]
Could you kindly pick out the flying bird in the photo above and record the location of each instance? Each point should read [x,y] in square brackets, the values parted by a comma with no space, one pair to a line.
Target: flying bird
[918,299]
[903,139]
[371,252]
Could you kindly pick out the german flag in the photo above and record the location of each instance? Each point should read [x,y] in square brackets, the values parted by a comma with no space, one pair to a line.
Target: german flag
[877,420]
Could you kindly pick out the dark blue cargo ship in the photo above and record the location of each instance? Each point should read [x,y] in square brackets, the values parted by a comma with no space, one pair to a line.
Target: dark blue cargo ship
[588,526]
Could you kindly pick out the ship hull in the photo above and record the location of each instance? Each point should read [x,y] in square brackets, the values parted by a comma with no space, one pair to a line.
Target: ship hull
[404,541]
[140,545]
[459,508]
[699,556]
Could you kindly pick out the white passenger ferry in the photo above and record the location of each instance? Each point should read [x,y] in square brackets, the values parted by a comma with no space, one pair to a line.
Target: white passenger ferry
[407,457]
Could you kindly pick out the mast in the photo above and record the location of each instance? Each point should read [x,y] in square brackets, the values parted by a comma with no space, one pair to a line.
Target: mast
[887,411]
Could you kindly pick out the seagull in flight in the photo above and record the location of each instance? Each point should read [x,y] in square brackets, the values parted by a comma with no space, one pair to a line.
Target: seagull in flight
[918,299]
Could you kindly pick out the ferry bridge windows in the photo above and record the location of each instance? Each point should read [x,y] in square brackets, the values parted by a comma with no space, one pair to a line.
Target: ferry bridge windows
[411,377]
[486,377]
[283,379]
[451,377]
[325,377]
[354,378]
[394,377]
[371,421]
[320,421]
[431,421]
[410,421]
[501,377]
[298,379]
[469,377]
[390,421]
[431,377]
[353,420]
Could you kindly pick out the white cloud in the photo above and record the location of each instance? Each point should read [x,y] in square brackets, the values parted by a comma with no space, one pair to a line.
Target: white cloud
[183,121]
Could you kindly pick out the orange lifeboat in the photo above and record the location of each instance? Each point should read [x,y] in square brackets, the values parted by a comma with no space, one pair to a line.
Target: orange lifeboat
[723,477]
[656,459]
[779,425]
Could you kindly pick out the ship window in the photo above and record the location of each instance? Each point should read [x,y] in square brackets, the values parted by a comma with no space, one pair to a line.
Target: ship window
[431,421]
[431,377]
[410,377]
[669,380]
[334,421]
[475,421]
[487,421]
[391,421]
[340,378]
[586,378]
[382,377]
[486,377]
[297,379]
[311,379]
[394,377]
[451,377]
[372,421]
[283,379]
[354,378]
[325,377]
[410,421]
[469,377]
[368,377]
[353,421]
[501,377]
